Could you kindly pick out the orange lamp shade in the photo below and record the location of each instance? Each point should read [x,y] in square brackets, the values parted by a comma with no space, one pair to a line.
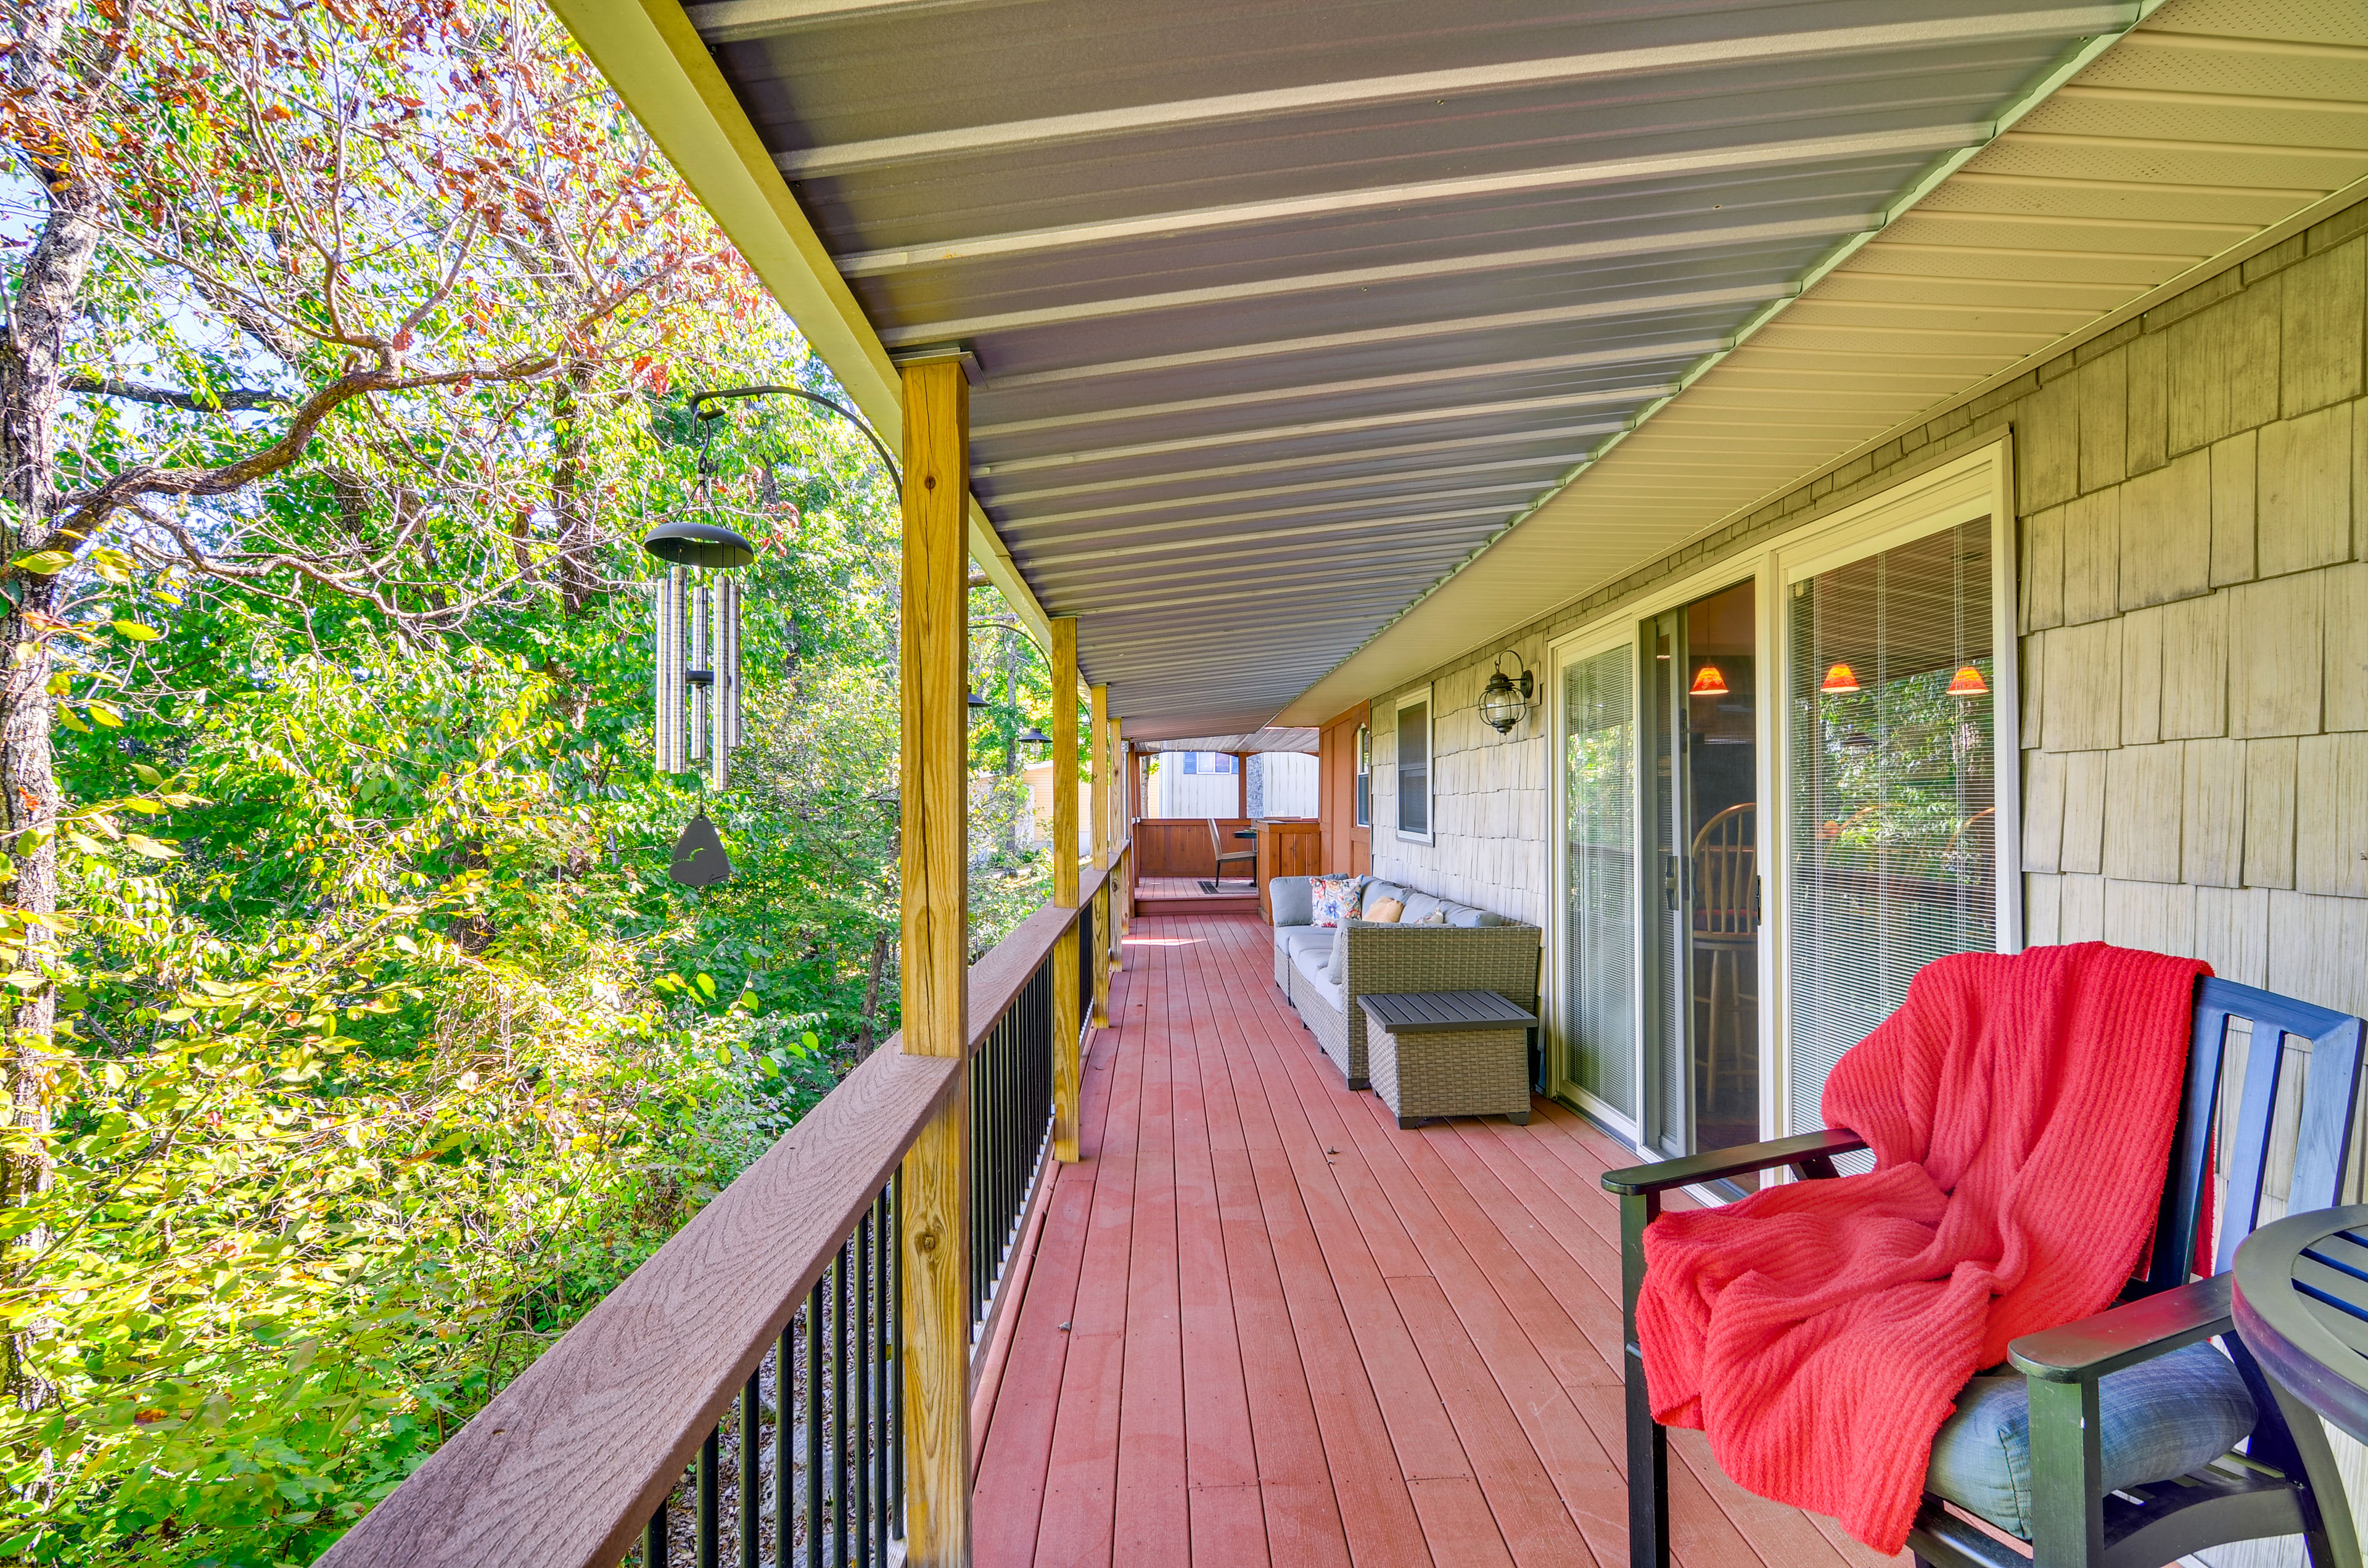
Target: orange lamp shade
[1708,682]
[1840,680]
[1969,683]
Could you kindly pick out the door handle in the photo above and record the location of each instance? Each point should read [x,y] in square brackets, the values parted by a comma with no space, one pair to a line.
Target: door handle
[1670,879]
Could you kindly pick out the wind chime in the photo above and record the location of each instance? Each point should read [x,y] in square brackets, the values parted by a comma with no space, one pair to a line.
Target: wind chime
[698,637]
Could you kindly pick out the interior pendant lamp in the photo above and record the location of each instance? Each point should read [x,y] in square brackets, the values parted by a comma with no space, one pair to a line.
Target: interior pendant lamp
[1840,681]
[1505,701]
[1708,682]
[1969,683]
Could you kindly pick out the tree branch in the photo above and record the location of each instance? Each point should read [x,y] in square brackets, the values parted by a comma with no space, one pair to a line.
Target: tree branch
[228,400]
[93,506]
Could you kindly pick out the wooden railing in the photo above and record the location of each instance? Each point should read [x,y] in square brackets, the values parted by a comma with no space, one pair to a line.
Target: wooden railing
[794,1264]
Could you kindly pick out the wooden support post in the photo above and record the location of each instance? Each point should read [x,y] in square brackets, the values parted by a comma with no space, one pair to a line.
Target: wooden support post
[1103,903]
[1065,1023]
[934,654]
[1122,860]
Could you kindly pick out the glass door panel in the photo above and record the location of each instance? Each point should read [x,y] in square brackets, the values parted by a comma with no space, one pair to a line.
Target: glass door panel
[1599,1002]
[1721,872]
[1891,851]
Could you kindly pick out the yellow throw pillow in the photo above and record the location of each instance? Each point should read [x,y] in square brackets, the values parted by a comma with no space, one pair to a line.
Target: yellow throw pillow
[1386,912]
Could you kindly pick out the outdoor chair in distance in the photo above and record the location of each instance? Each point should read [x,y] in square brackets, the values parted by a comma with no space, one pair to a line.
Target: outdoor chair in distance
[1226,857]
[2086,1509]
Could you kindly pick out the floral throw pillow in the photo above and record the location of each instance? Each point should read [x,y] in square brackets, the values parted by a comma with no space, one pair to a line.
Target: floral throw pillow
[1335,899]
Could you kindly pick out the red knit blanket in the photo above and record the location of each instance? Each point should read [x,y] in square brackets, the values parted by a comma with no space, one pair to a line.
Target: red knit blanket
[2021,1111]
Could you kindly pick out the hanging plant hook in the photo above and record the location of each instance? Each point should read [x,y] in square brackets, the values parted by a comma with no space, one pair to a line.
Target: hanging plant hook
[704,414]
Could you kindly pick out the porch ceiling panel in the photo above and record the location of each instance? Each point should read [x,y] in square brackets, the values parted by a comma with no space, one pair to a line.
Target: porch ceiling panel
[1283,309]
[2213,130]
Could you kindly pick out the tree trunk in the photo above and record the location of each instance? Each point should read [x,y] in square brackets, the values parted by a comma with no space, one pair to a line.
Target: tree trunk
[32,388]
[871,996]
[571,484]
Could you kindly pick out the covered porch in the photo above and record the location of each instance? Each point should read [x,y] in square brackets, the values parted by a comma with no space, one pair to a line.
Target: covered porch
[1264,1324]
[1961,426]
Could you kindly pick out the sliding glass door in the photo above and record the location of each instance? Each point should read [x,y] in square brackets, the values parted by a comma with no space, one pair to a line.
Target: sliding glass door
[1598,1023]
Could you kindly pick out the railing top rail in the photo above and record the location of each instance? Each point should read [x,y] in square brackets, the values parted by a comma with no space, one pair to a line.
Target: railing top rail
[561,1469]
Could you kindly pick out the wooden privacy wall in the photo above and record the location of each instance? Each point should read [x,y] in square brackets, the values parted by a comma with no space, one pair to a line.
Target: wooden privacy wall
[1178,847]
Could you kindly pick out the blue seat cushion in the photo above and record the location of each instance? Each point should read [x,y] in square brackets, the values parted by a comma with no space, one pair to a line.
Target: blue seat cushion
[2161,1418]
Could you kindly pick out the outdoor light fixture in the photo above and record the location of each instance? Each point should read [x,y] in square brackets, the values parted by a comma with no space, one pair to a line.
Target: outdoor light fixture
[1503,701]
[974,699]
[1840,681]
[1969,683]
[1708,682]
[1032,736]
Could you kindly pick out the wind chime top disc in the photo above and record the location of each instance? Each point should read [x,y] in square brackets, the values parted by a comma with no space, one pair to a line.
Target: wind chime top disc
[699,545]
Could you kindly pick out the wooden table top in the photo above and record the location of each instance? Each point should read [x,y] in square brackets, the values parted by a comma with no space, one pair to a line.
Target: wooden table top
[2300,1303]
[1431,1012]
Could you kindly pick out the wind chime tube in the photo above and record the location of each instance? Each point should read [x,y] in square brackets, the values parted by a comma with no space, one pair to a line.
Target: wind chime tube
[669,673]
[700,690]
[726,726]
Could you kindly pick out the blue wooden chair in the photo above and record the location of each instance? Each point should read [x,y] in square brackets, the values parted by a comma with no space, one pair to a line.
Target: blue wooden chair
[2099,1454]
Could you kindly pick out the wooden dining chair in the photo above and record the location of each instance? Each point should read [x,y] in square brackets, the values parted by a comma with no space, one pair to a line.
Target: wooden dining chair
[2080,1427]
[1226,857]
[1726,940]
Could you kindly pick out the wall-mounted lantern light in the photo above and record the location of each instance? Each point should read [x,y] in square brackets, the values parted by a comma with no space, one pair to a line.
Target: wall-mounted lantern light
[1505,701]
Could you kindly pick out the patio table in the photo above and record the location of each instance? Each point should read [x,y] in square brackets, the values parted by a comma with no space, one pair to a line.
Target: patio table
[2301,1305]
[1448,1053]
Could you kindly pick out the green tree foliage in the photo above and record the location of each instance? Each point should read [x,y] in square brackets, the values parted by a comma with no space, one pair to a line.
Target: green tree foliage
[383,1046]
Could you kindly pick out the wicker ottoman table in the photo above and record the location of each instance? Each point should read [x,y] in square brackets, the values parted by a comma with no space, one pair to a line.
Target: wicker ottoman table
[1448,1053]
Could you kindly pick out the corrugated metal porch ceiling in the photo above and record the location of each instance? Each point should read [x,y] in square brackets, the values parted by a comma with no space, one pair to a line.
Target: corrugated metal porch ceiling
[1283,309]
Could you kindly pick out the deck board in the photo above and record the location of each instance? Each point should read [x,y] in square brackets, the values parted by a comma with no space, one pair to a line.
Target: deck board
[1299,1333]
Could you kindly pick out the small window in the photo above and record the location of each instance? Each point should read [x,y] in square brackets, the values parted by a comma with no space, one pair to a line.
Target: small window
[1364,775]
[1413,765]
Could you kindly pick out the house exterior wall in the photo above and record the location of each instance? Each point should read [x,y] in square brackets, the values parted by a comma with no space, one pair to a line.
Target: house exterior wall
[1347,847]
[2193,492]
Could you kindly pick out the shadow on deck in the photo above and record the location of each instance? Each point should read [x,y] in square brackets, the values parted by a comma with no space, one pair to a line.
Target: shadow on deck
[1266,1325]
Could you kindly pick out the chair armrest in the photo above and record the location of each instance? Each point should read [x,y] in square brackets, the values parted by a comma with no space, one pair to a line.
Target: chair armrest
[1718,1162]
[2124,1336]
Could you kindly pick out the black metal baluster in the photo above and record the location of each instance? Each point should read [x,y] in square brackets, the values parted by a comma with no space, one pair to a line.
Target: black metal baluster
[813,1419]
[862,1384]
[654,1538]
[896,1362]
[709,1496]
[784,1494]
[880,1415]
[748,1477]
[843,1286]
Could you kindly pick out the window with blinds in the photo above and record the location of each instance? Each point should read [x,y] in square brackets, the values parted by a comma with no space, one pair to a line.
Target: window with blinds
[1892,772]
[1414,767]
[1599,911]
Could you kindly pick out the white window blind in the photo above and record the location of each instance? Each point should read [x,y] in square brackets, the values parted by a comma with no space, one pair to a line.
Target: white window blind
[1413,768]
[1893,856]
[1600,913]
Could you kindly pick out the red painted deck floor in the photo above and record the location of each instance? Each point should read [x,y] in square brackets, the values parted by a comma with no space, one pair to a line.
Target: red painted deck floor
[1266,1325]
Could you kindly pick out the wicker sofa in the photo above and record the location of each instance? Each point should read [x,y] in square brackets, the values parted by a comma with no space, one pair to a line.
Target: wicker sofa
[1470,950]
